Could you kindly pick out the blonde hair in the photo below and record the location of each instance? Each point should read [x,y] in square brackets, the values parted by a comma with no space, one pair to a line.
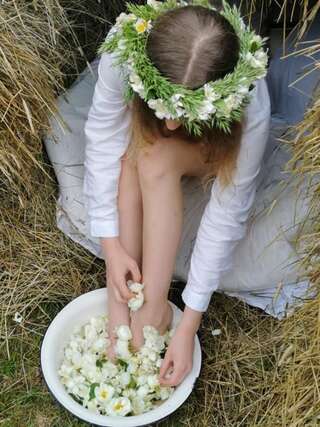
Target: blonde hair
[207,49]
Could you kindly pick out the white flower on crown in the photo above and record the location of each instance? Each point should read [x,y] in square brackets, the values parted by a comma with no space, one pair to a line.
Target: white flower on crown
[122,44]
[255,39]
[206,109]
[125,17]
[177,104]
[242,24]
[230,103]
[210,93]
[160,108]
[154,3]
[257,60]
[136,83]
[142,25]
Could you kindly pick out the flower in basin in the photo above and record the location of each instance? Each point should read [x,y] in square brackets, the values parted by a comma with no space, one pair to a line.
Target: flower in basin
[104,393]
[122,349]
[119,406]
[128,386]
[123,332]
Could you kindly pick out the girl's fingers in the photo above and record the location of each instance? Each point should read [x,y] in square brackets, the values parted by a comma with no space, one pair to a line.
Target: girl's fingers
[167,361]
[135,272]
[118,296]
[125,292]
[175,378]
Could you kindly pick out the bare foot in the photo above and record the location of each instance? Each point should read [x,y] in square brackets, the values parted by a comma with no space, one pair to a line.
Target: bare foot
[118,314]
[160,318]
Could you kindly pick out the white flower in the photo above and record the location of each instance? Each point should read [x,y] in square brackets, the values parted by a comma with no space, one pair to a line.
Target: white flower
[216,332]
[142,25]
[143,390]
[119,406]
[138,405]
[109,370]
[165,392]
[76,359]
[161,110]
[125,17]
[88,360]
[255,39]
[93,374]
[142,379]
[92,405]
[121,44]
[135,302]
[75,383]
[123,332]
[99,344]
[152,381]
[124,378]
[159,362]
[177,104]
[210,93]
[206,109]
[154,3]
[17,317]
[120,390]
[90,333]
[257,60]
[104,393]
[132,365]
[122,349]
[129,392]
[242,24]
[65,370]
[136,83]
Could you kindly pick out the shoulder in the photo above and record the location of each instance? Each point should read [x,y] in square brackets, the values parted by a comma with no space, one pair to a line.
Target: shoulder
[110,73]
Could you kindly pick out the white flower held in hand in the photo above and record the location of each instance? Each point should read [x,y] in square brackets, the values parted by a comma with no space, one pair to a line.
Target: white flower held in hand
[135,302]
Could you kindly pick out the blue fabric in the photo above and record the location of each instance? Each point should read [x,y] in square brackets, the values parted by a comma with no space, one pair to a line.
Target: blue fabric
[288,104]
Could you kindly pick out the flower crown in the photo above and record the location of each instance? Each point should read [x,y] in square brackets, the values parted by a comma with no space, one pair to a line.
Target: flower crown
[217,103]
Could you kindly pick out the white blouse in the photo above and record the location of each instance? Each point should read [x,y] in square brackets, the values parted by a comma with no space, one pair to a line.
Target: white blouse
[224,221]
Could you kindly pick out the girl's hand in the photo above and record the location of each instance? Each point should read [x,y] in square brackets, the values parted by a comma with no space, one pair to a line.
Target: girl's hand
[159,316]
[178,361]
[118,265]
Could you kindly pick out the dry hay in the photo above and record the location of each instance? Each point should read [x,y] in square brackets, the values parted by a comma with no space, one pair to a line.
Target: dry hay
[44,44]
[258,372]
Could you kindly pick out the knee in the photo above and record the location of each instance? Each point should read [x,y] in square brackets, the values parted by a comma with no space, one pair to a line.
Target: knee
[155,162]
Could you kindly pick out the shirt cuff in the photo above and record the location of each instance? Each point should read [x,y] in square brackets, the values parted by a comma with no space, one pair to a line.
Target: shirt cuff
[194,300]
[104,229]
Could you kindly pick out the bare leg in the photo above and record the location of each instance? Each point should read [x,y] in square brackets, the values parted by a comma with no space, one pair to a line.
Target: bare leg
[130,236]
[160,169]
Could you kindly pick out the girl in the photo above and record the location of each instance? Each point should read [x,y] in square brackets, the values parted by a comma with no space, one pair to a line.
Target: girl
[134,166]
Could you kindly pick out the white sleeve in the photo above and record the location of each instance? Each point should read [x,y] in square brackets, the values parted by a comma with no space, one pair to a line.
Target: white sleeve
[107,134]
[224,221]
